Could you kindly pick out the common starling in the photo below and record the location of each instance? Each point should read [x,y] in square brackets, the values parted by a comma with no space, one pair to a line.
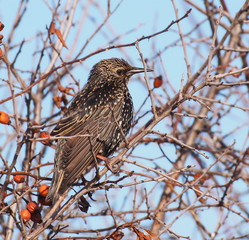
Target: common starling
[103,110]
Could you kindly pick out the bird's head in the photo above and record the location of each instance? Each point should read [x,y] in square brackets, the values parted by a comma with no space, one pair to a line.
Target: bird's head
[113,70]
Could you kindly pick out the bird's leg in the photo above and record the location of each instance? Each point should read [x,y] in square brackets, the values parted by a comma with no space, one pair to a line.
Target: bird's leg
[108,163]
[84,181]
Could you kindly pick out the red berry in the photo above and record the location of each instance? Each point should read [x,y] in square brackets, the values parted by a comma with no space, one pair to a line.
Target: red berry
[45,134]
[25,215]
[158,81]
[19,178]
[43,190]
[32,206]
[4,118]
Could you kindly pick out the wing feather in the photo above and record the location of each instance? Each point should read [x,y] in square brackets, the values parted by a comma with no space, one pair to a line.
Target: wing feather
[89,113]
[77,154]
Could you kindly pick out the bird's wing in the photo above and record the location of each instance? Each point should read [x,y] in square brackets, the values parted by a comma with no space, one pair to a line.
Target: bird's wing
[75,155]
[88,106]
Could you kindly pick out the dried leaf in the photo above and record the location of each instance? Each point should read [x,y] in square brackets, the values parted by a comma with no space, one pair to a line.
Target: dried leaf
[140,235]
[202,179]
[52,28]
[61,88]
[57,100]
[117,235]
[65,90]
[59,35]
[151,234]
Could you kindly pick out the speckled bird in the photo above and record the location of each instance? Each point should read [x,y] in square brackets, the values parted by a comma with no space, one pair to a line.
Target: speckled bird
[103,109]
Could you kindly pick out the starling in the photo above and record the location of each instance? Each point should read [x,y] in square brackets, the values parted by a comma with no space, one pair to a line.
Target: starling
[103,111]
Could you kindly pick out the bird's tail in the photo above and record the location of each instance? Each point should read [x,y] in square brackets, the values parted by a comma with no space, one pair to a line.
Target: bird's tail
[54,190]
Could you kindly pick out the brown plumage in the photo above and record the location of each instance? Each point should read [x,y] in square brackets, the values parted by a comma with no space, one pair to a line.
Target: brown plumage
[103,110]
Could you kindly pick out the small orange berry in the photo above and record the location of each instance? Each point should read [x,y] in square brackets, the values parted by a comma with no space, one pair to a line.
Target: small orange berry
[1,26]
[45,134]
[158,81]
[35,130]
[4,118]
[43,190]
[32,206]
[19,178]
[25,215]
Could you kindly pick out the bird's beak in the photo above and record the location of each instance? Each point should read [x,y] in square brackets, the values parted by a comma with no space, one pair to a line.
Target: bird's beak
[138,70]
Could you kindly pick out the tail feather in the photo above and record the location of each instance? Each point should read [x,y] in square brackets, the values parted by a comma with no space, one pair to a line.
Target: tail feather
[54,193]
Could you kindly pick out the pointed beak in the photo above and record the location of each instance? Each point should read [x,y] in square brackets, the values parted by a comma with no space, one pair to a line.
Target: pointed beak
[138,70]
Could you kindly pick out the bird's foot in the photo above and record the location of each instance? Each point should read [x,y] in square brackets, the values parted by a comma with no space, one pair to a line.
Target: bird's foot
[108,163]
[83,179]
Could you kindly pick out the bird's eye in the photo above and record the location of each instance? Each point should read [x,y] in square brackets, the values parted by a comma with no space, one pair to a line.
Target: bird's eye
[120,72]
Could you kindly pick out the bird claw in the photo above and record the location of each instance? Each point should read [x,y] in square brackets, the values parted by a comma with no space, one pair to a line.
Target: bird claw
[108,164]
[83,179]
